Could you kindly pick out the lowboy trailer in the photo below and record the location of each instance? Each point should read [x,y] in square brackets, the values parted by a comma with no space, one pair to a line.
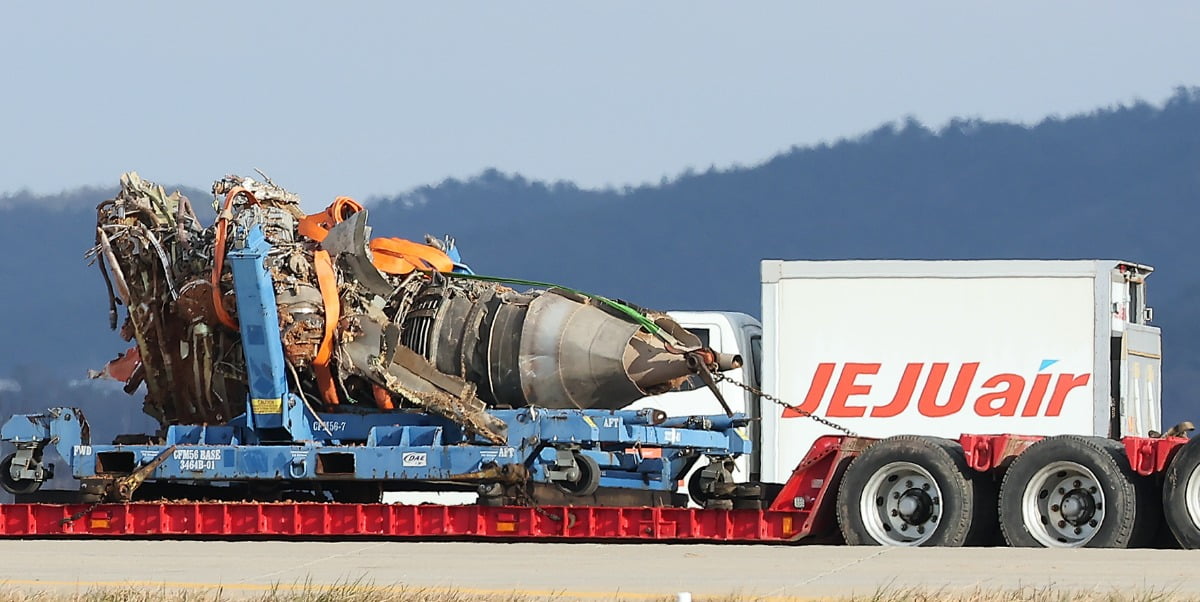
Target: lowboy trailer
[1092,492]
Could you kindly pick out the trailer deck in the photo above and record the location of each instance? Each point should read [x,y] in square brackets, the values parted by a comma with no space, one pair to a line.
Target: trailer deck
[240,521]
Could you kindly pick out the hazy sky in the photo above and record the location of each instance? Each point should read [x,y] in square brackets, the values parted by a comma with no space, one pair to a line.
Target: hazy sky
[375,98]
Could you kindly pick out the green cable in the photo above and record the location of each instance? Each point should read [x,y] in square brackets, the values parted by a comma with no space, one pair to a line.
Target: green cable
[634,314]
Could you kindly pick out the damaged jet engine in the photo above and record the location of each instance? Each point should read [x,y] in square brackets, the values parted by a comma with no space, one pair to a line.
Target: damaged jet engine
[383,324]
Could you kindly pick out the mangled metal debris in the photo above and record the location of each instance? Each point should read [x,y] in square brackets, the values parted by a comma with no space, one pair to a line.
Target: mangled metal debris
[384,324]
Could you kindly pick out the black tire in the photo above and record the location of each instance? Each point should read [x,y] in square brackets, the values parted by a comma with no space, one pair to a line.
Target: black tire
[749,491]
[1181,507]
[589,477]
[695,489]
[748,496]
[1074,491]
[721,486]
[15,486]
[747,504]
[719,490]
[910,490]
[718,504]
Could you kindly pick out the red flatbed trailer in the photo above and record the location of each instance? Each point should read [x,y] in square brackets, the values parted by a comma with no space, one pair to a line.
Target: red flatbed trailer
[390,521]
[782,522]
[804,509]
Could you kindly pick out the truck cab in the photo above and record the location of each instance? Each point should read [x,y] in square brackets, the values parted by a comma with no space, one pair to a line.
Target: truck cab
[724,332]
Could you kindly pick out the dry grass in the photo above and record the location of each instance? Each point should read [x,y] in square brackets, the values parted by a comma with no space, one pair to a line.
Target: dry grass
[359,592]
[1027,594]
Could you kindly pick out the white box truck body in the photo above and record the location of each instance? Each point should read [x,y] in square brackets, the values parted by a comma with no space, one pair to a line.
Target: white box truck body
[944,348]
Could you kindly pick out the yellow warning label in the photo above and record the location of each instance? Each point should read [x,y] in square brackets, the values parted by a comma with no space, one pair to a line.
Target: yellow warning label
[741,433]
[589,421]
[267,406]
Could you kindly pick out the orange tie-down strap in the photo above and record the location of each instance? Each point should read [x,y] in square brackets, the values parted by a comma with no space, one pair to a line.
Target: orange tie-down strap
[327,281]
[399,256]
[317,225]
[222,232]
[391,255]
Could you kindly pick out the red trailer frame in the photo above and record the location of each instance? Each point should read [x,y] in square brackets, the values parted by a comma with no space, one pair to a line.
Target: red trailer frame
[803,510]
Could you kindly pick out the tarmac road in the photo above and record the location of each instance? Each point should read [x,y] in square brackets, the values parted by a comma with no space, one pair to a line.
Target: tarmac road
[588,571]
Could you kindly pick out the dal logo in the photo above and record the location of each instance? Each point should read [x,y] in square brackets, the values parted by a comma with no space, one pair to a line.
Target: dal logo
[1001,394]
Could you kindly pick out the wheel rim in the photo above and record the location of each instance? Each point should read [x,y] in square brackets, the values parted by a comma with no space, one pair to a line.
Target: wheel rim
[1063,505]
[1191,496]
[901,505]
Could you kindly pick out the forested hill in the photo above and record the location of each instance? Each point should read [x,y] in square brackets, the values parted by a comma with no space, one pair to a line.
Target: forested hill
[1117,183]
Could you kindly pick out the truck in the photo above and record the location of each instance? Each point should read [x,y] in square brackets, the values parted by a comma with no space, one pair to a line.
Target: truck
[926,403]
[967,363]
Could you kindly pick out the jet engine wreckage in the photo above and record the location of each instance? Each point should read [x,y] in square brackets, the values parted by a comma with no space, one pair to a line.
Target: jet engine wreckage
[368,325]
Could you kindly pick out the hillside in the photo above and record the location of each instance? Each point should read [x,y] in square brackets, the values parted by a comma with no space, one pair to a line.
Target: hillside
[1117,183]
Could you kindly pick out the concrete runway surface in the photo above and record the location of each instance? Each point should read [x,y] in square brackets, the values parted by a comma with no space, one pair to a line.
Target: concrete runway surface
[587,571]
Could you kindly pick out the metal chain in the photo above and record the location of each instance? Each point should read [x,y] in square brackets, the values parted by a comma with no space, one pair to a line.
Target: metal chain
[719,377]
[524,498]
[546,513]
[78,515]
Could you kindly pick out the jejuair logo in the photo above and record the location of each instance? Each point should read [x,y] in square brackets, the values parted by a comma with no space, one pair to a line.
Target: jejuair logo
[855,395]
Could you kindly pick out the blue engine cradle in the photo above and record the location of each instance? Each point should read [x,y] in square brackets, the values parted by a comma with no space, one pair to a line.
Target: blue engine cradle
[630,452]
[280,439]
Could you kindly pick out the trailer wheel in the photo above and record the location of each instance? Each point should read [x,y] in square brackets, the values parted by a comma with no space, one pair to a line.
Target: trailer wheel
[712,482]
[588,480]
[748,496]
[14,485]
[1181,495]
[913,491]
[1071,491]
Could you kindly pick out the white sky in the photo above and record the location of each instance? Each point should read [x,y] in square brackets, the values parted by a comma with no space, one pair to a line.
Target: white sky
[375,98]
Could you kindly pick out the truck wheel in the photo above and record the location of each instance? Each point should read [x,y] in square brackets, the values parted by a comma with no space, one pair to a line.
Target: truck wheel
[13,485]
[913,491]
[1181,495]
[1071,491]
